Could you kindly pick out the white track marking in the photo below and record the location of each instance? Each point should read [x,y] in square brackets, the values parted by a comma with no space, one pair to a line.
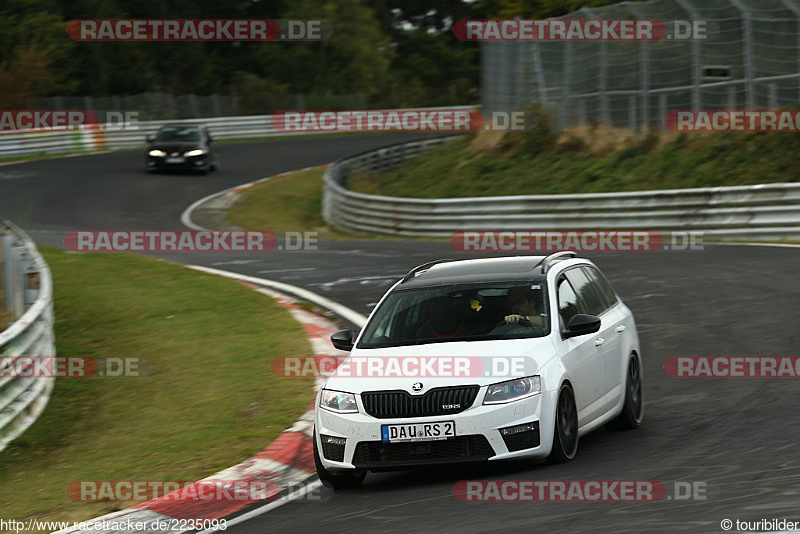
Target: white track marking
[340,310]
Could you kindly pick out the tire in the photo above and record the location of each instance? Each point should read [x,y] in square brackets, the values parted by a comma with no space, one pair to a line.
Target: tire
[338,481]
[633,406]
[565,433]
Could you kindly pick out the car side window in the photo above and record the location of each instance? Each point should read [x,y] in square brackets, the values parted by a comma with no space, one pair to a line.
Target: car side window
[603,286]
[585,287]
[568,303]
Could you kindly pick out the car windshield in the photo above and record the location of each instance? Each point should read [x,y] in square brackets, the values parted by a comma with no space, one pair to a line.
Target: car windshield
[179,133]
[459,313]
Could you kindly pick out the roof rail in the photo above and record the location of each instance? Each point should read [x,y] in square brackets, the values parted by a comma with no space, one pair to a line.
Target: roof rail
[422,267]
[547,262]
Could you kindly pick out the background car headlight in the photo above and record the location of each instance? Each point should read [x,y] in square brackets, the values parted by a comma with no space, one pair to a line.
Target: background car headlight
[158,153]
[197,152]
[512,390]
[338,401]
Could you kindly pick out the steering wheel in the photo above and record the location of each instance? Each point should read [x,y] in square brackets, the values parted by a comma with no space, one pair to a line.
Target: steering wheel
[524,323]
[521,322]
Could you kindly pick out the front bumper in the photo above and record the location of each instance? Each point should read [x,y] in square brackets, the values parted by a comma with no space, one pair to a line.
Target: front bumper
[478,436]
[186,163]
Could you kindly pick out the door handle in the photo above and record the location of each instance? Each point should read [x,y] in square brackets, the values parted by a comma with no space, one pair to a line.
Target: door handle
[599,341]
[621,328]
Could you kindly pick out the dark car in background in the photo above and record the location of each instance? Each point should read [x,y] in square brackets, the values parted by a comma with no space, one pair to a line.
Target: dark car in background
[184,147]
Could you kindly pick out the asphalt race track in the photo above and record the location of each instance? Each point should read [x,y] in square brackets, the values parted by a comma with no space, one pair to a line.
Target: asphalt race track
[738,436]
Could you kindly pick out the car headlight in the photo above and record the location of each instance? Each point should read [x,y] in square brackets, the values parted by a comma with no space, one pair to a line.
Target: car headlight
[338,401]
[197,152]
[513,390]
[158,153]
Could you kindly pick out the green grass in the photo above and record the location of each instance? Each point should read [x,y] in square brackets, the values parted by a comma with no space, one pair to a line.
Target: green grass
[536,163]
[288,203]
[284,203]
[209,401]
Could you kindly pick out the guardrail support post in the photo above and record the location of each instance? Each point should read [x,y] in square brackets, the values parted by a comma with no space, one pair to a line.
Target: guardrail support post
[11,277]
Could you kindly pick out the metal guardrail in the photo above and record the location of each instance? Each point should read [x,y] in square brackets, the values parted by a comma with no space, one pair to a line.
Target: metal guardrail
[766,212]
[28,290]
[103,137]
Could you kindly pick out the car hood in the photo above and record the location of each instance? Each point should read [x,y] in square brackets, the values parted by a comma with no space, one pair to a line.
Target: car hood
[532,353]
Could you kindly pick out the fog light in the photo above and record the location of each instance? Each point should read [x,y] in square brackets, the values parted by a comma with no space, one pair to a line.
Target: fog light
[511,430]
[521,437]
[333,447]
[334,440]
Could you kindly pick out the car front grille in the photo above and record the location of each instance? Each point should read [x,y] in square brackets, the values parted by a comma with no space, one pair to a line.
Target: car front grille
[438,401]
[376,454]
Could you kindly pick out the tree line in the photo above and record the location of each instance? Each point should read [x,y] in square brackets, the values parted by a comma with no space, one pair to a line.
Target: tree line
[394,53]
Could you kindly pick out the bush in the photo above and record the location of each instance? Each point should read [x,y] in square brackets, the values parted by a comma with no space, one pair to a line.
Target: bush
[533,141]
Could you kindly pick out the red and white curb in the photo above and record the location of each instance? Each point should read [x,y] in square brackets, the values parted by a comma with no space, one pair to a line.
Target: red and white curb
[287,462]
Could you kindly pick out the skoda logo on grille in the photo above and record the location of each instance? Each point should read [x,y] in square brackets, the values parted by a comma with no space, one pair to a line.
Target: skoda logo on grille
[417,386]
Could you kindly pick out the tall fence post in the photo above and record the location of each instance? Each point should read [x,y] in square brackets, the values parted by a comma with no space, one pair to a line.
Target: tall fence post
[795,9]
[602,100]
[539,74]
[732,97]
[697,71]
[748,53]
[563,121]
[644,69]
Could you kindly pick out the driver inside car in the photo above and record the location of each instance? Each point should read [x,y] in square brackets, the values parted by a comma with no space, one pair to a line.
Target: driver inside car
[522,304]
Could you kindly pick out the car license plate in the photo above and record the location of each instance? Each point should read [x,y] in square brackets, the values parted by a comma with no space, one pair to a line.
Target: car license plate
[418,431]
[175,160]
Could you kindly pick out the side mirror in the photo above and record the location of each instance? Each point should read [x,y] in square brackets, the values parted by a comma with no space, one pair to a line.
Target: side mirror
[150,138]
[343,340]
[582,324]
